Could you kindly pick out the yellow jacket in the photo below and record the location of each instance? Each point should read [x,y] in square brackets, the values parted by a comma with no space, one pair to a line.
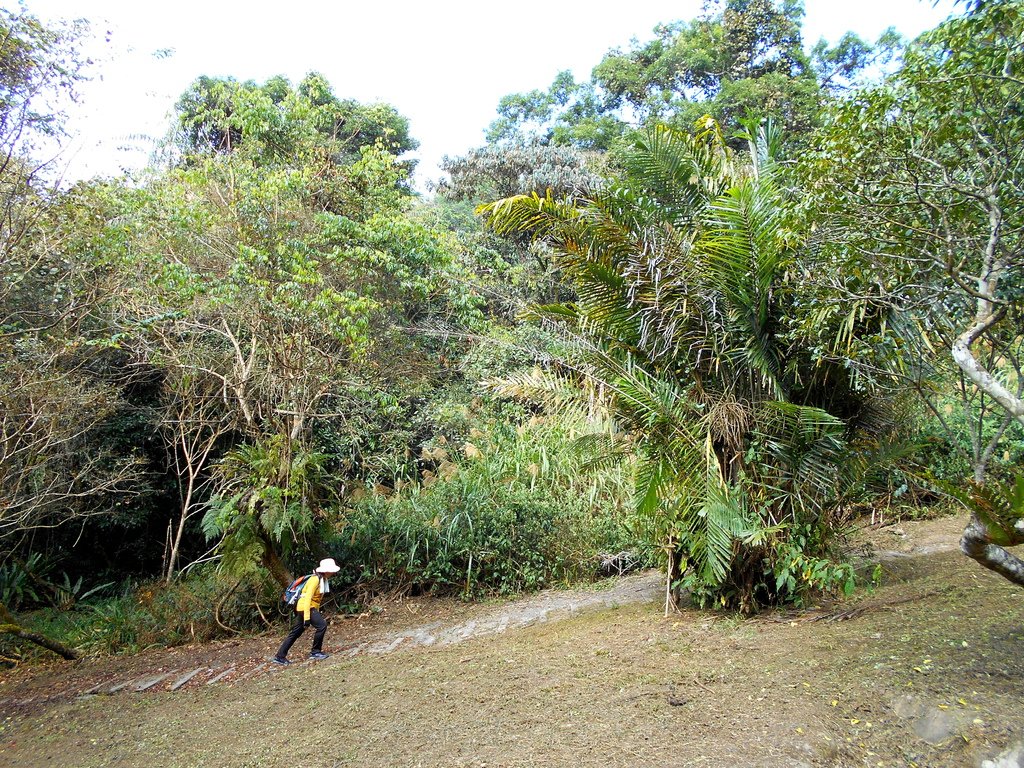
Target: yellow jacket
[309,597]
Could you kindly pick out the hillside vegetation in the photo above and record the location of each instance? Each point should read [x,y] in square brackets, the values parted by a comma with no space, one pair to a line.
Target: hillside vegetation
[704,315]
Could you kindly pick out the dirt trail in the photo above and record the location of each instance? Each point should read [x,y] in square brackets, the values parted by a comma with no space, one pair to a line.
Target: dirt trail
[193,667]
[642,587]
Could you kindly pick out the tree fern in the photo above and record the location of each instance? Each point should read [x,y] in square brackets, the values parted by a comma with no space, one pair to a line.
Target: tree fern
[270,498]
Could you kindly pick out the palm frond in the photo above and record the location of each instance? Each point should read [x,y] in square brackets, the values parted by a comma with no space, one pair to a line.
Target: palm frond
[556,389]
[652,475]
[600,450]
[745,260]
[681,172]
[532,214]
[801,451]
[712,533]
[712,522]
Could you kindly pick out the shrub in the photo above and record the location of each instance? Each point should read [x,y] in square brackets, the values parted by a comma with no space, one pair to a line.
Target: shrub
[513,513]
[152,614]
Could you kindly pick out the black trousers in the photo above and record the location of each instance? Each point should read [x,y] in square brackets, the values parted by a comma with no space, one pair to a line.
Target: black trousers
[299,626]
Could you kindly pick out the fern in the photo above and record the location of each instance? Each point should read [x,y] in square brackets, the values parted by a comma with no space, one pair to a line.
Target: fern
[999,508]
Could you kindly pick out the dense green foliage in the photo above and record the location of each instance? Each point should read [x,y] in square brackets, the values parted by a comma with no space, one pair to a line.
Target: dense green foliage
[742,59]
[276,121]
[922,210]
[697,311]
[511,513]
[680,270]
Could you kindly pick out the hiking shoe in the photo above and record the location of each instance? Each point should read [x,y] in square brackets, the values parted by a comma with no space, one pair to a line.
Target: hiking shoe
[279,660]
[318,655]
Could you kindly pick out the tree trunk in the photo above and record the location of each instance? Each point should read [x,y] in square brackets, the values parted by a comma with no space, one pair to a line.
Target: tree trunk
[977,373]
[273,562]
[186,512]
[10,627]
[977,544]
[987,314]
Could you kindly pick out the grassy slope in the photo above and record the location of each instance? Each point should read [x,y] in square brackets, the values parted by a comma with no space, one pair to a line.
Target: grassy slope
[625,687]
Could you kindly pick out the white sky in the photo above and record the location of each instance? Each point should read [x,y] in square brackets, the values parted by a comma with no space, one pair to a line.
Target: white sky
[443,64]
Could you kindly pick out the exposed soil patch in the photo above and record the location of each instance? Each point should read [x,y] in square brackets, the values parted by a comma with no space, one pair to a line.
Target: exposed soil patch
[926,670]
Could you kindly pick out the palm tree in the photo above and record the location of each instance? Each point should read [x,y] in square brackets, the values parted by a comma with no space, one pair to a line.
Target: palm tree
[681,270]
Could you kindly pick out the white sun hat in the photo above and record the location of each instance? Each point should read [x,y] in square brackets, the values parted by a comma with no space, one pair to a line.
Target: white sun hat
[328,566]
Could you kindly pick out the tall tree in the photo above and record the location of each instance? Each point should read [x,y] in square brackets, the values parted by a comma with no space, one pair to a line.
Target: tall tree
[50,401]
[279,272]
[276,120]
[918,184]
[491,172]
[567,114]
[745,61]
[52,468]
[741,59]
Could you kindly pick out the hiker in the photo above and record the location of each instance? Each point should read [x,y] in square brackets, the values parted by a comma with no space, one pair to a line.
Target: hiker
[307,612]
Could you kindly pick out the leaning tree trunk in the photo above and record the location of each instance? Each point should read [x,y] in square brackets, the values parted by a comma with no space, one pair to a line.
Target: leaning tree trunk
[979,544]
[9,626]
[272,561]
